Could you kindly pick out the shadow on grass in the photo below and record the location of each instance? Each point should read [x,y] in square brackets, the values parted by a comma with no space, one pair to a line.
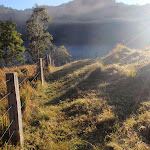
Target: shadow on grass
[123,93]
[69,94]
[67,70]
[76,91]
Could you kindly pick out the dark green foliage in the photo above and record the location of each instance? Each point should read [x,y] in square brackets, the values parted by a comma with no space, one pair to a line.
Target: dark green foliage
[61,56]
[11,51]
[39,40]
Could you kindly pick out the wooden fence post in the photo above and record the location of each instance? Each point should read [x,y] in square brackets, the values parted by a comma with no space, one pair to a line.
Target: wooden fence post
[47,60]
[53,64]
[15,115]
[50,60]
[40,70]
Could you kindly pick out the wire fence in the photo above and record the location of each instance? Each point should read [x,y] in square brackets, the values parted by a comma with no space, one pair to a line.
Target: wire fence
[5,96]
[36,73]
[4,82]
[6,130]
[30,80]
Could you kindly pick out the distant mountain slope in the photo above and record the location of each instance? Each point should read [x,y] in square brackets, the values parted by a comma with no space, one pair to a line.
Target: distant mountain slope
[98,22]
[86,11]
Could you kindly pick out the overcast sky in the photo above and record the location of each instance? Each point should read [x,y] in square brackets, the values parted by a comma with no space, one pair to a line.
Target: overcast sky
[23,4]
[139,2]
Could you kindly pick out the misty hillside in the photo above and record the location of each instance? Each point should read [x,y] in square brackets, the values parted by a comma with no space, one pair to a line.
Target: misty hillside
[96,23]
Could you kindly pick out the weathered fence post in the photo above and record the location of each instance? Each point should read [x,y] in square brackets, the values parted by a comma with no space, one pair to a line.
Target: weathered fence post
[40,70]
[47,60]
[53,64]
[15,115]
[50,60]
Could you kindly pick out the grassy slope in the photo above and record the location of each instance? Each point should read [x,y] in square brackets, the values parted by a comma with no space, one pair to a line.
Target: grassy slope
[128,92]
[87,105]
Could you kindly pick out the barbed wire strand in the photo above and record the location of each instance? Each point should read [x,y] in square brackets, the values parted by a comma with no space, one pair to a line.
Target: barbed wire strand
[23,104]
[27,69]
[34,77]
[24,71]
[23,80]
[25,100]
[6,112]
[27,77]
[4,82]
[5,96]
[30,83]
[36,63]
[44,57]
[10,138]
[7,129]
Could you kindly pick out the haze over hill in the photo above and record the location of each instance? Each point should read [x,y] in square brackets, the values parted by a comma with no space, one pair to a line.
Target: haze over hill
[86,26]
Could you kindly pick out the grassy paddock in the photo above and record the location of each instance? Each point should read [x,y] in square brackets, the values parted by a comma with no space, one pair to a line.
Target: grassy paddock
[89,105]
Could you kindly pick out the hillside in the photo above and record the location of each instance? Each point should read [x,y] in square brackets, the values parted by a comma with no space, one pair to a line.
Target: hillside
[78,22]
[92,104]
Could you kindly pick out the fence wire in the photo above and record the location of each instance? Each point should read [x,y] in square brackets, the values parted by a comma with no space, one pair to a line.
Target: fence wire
[10,138]
[28,87]
[6,112]
[26,78]
[36,63]
[4,82]
[5,96]
[6,129]
[30,83]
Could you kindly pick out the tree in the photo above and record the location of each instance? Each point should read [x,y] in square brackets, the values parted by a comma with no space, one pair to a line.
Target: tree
[61,56]
[39,40]
[11,51]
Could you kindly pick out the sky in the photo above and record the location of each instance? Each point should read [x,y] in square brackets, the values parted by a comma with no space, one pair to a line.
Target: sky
[23,4]
[139,2]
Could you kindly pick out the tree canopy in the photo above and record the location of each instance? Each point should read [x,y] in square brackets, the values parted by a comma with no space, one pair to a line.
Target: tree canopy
[61,56]
[11,51]
[39,39]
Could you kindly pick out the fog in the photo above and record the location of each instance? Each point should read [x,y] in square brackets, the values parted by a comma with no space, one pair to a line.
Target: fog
[84,26]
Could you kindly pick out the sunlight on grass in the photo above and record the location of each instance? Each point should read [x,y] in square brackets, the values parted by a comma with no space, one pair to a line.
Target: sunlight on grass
[85,104]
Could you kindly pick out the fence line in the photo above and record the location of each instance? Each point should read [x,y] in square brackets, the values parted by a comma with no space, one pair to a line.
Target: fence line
[13,97]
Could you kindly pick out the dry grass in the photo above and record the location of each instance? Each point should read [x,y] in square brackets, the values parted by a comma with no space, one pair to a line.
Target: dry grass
[126,56]
[134,133]
[26,95]
[86,105]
